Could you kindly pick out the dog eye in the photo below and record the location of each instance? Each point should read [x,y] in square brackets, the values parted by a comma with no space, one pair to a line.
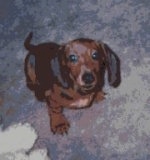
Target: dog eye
[73,58]
[95,56]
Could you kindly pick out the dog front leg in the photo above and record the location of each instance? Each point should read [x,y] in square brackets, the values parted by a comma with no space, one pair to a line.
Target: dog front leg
[58,122]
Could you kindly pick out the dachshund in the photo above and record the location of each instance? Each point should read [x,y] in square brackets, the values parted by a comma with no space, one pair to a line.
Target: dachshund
[70,75]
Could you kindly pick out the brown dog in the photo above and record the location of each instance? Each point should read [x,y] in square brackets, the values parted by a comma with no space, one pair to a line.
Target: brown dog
[69,75]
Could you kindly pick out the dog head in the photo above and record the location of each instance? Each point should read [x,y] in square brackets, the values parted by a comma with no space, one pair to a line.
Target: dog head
[85,62]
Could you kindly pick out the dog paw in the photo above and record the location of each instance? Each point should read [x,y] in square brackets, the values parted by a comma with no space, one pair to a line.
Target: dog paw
[59,124]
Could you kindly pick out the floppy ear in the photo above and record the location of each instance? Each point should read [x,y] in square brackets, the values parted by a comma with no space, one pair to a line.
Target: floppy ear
[64,70]
[58,69]
[113,66]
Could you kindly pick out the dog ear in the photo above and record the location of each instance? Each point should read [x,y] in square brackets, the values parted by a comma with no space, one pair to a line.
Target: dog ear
[62,73]
[59,70]
[113,66]
[64,70]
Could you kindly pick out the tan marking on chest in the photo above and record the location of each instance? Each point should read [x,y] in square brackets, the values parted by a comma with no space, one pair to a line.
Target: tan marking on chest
[80,103]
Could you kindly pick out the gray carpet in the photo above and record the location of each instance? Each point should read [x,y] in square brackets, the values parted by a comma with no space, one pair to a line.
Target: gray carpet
[117,128]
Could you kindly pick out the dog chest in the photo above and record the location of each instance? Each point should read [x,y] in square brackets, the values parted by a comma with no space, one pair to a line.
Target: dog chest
[80,103]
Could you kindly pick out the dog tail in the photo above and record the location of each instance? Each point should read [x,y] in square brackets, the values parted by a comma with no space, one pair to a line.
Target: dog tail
[27,43]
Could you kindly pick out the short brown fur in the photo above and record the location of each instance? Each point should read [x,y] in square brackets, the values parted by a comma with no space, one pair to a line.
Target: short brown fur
[62,82]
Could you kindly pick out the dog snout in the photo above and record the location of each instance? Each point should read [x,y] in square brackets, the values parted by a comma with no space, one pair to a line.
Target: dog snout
[88,78]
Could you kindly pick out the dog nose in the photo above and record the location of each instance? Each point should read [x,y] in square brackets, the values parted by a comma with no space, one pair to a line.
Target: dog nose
[88,78]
